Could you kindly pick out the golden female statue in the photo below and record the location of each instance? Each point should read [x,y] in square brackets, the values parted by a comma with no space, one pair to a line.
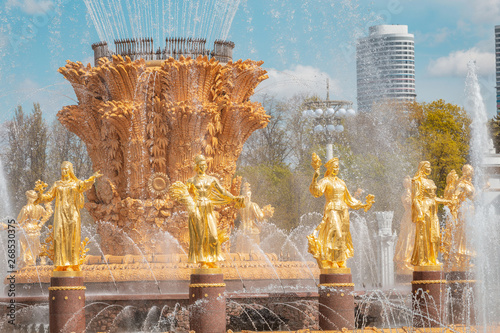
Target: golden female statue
[31,219]
[199,195]
[406,239]
[252,215]
[459,253]
[447,237]
[68,195]
[331,242]
[424,214]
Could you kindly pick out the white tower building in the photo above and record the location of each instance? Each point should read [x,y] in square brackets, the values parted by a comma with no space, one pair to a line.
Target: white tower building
[385,62]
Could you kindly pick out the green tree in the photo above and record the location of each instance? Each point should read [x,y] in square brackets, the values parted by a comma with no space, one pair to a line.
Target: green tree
[444,137]
[494,126]
[26,153]
[270,145]
[63,146]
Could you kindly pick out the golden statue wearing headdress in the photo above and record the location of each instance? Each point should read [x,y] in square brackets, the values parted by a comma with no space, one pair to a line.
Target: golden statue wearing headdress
[68,196]
[456,249]
[406,239]
[31,219]
[252,215]
[424,214]
[199,195]
[252,218]
[331,242]
[451,217]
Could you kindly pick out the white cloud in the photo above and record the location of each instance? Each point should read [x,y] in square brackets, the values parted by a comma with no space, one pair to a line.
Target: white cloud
[478,11]
[31,7]
[298,80]
[485,10]
[433,38]
[455,64]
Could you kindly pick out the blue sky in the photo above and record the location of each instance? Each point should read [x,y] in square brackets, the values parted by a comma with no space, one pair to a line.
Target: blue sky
[301,42]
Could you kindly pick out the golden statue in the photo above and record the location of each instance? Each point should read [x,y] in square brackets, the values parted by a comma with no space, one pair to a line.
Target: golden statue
[331,242]
[199,195]
[252,215]
[449,192]
[68,194]
[406,239]
[31,219]
[456,249]
[424,214]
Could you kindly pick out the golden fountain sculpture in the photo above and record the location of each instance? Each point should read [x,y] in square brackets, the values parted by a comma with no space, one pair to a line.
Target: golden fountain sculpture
[457,252]
[143,124]
[406,239]
[68,196]
[199,195]
[252,217]
[31,219]
[424,215]
[331,242]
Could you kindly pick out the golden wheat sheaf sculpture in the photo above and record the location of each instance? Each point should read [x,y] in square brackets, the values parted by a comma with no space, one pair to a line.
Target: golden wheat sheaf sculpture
[144,125]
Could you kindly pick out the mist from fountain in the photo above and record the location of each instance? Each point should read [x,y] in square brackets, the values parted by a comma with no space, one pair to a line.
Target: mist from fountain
[484,229]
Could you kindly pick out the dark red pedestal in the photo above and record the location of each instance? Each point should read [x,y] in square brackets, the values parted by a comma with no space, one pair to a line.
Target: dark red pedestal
[461,311]
[207,303]
[66,304]
[428,296]
[336,300]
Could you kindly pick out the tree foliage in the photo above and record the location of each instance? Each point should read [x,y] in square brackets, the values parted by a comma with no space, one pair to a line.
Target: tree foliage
[26,154]
[494,127]
[35,151]
[443,137]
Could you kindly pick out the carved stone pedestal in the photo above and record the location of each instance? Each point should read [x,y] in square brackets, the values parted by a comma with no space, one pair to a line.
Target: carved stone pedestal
[336,299]
[461,310]
[66,303]
[207,303]
[428,296]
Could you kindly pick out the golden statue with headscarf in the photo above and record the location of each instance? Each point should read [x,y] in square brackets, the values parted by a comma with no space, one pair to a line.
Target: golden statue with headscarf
[331,242]
[199,195]
[68,196]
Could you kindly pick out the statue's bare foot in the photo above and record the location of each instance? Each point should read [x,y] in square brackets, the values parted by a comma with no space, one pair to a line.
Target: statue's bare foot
[341,264]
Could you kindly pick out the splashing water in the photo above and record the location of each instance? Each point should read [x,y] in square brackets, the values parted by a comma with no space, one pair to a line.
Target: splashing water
[118,19]
[483,229]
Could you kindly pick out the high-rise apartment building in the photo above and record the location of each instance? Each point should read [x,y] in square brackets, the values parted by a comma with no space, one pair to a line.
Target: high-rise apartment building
[385,62]
[497,54]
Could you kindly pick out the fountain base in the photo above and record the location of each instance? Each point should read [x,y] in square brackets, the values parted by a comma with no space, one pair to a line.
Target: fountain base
[171,274]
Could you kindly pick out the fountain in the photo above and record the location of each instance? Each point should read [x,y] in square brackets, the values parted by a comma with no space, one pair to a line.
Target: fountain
[144,113]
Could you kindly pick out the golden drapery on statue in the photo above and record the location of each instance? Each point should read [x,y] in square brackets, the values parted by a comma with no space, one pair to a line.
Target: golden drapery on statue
[31,219]
[199,195]
[68,196]
[424,214]
[457,252]
[331,242]
[406,239]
